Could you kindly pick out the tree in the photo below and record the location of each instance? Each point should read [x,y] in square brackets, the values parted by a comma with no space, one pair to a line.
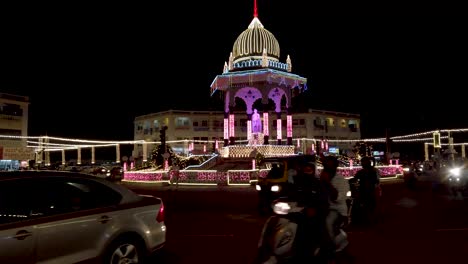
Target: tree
[157,155]
[362,149]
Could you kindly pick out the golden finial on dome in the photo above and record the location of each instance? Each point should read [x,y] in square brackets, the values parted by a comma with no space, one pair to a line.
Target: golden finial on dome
[264,58]
[231,61]
[255,9]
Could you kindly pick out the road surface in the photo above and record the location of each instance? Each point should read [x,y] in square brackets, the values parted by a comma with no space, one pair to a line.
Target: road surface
[221,225]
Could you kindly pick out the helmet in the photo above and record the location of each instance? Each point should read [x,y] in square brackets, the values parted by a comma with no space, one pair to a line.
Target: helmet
[367,161]
[330,161]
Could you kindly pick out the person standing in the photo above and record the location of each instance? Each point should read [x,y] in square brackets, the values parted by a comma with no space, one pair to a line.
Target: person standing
[369,188]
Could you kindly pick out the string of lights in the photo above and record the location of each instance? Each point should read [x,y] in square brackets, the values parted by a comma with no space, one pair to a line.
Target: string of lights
[48,144]
[447,144]
[102,143]
[36,149]
[417,139]
[458,130]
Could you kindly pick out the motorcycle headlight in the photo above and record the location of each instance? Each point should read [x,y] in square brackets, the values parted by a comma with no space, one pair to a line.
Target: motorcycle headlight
[455,172]
[281,208]
[258,187]
[275,188]
[405,169]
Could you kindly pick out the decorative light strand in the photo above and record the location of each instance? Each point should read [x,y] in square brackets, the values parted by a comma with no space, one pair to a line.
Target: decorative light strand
[358,140]
[447,144]
[111,143]
[417,139]
[67,145]
[413,135]
[431,132]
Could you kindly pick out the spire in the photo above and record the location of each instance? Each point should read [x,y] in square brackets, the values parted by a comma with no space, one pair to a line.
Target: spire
[288,62]
[264,58]
[255,9]
[231,62]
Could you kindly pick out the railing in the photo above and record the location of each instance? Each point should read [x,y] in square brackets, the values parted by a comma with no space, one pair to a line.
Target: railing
[205,165]
[232,177]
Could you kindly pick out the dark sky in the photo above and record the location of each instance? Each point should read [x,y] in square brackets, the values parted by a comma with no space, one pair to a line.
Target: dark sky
[89,70]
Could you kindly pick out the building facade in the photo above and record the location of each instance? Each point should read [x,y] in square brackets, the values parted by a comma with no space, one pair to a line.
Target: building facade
[205,128]
[13,122]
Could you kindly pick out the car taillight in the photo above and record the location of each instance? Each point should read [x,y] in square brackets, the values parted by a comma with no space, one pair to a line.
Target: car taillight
[160,217]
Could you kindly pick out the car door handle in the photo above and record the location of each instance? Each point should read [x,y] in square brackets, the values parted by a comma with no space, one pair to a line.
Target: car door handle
[22,234]
[104,219]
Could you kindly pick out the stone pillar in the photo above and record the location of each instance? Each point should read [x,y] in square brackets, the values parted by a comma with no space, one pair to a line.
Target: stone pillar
[289,131]
[266,125]
[249,127]
[47,153]
[226,129]
[426,151]
[63,157]
[117,153]
[93,155]
[279,128]
[451,148]
[186,147]
[232,127]
[78,160]
[39,152]
[47,158]
[145,152]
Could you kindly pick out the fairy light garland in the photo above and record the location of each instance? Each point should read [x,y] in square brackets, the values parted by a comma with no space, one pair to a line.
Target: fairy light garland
[417,139]
[102,143]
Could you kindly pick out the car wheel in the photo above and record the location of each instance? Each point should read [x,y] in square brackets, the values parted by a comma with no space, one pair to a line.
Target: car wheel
[125,251]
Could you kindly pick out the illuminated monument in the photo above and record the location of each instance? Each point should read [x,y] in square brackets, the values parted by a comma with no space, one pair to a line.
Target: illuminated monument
[255,75]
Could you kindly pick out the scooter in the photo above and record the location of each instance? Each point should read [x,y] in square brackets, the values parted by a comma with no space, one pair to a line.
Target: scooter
[281,239]
[458,180]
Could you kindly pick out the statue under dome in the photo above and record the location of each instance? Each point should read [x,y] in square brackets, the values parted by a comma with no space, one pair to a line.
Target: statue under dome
[256,122]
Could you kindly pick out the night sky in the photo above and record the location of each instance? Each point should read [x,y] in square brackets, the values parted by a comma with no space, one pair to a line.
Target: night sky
[89,70]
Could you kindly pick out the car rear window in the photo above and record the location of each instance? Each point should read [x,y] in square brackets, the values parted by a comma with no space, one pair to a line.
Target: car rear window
[25,198]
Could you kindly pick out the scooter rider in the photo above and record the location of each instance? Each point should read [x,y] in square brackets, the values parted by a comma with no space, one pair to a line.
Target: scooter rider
[334,188]
[307,191]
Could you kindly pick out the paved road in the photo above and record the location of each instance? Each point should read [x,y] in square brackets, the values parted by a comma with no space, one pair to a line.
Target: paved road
[221,225]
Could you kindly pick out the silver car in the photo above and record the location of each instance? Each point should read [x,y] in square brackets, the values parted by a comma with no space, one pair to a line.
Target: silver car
[64,217]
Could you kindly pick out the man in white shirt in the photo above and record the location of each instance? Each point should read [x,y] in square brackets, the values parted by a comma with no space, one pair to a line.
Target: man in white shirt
[335,187]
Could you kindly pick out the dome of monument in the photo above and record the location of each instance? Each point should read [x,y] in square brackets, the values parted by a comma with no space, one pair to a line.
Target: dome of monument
[253,41]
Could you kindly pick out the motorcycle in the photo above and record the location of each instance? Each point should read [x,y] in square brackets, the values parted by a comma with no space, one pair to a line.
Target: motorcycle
[289,237]
[458,180]
[275,184]
[360,213]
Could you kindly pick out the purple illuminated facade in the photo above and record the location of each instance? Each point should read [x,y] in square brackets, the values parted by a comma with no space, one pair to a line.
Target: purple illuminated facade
[255,75]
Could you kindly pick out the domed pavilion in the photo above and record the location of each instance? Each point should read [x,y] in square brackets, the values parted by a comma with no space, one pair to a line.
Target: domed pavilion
[254,72]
